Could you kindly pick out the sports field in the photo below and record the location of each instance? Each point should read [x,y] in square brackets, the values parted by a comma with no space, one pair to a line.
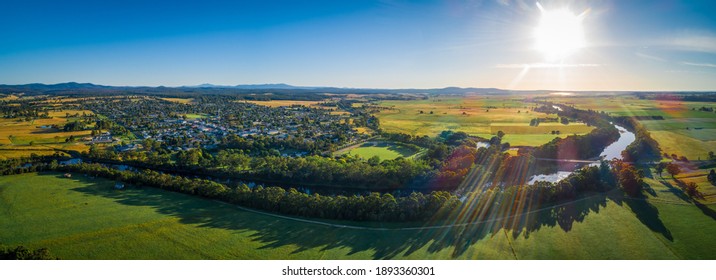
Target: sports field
[475,115]
[384,150]
[85,218]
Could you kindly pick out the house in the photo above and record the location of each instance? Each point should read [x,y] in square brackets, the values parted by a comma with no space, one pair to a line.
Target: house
[118,186]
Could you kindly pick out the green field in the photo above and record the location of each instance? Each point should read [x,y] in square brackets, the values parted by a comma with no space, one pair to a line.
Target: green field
[384,150]
[474,115]
[195,116]
[84,218]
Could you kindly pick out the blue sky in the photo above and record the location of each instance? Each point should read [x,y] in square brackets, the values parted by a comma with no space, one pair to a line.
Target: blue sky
[629,45]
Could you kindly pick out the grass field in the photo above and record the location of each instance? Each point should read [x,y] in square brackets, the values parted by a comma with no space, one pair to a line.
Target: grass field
[195,116]
[384,150]
[471,115]
[84,218]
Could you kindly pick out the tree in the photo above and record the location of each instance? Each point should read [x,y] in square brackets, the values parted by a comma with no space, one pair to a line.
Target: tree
[712,156]
[660,168]
[673,169]
[692,189]
[712,177]
[630,179]
[500,134]
[374,160]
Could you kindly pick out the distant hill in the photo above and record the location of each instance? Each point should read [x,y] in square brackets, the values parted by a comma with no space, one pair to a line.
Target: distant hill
[257,89]
[73,87]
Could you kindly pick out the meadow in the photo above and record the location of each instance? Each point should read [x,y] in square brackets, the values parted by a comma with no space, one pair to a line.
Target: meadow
[475,115]
[85,218]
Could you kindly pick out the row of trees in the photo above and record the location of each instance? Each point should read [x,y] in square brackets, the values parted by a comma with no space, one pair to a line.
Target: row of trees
[644,147]
[371,207]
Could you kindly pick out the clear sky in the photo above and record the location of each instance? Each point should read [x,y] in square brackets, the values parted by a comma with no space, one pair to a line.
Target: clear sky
[627,45]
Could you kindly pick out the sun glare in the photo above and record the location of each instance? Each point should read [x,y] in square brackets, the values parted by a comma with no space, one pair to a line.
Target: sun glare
[559,33]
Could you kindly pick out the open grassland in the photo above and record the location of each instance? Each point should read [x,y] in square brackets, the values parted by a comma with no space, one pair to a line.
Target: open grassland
[474,115]
[683,131]
[17,134]
[384,150]
[85,218]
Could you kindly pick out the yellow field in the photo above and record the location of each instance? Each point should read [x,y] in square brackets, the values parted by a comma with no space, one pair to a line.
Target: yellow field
[16,135]
[364,130]
[279,103]
[9,97]
[179,100]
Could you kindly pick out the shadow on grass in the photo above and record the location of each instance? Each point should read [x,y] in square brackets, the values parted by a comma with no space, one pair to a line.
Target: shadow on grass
[383,243]
[676,191]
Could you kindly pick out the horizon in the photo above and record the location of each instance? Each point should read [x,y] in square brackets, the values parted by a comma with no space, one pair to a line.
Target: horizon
[298,87]
[505,44]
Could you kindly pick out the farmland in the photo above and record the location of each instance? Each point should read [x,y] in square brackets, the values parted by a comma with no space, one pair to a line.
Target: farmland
[684,129]
[98,222]
[474,115]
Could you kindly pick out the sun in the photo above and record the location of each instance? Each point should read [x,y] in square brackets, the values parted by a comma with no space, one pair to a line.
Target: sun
[559,33]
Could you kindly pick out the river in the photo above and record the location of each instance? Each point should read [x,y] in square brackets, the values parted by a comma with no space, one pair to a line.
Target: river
[613,151]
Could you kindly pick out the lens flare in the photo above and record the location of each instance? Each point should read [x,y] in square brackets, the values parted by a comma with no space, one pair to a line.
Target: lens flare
[559,33]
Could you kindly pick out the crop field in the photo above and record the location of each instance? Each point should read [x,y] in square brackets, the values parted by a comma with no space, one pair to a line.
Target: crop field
[684,131]
[85,218]
[384,150]
[474,115]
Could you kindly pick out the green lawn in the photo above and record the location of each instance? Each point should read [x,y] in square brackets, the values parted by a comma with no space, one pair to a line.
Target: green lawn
[84,218]
[384,150]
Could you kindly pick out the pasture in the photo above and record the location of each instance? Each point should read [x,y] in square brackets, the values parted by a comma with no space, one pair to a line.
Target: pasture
[475,115]
[85,218]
